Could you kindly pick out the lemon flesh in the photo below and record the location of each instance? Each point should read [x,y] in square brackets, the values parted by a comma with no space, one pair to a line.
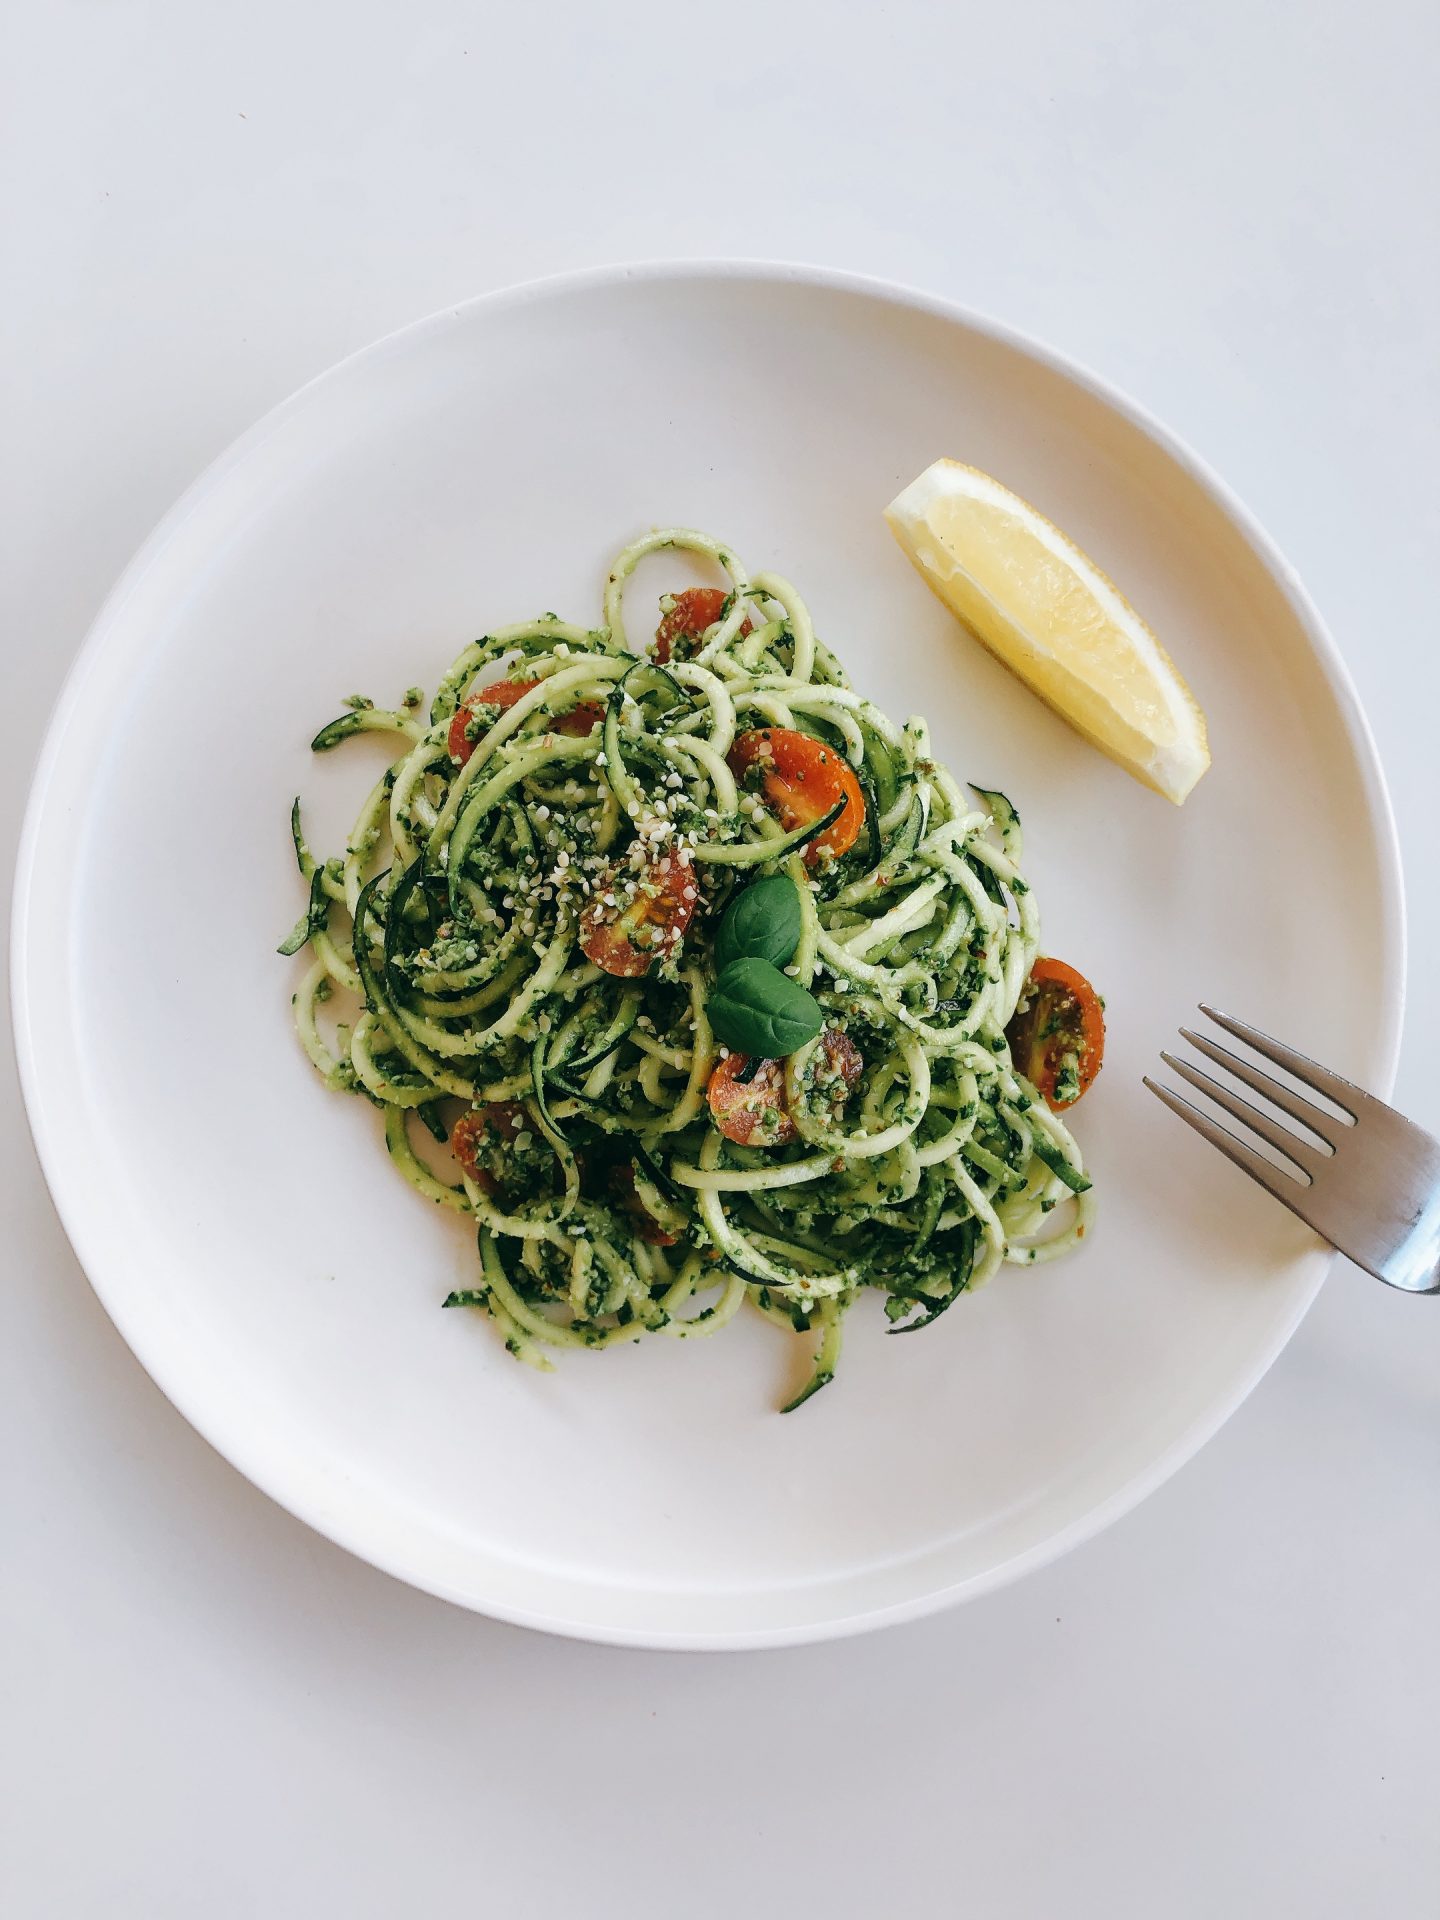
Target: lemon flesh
[1047,611]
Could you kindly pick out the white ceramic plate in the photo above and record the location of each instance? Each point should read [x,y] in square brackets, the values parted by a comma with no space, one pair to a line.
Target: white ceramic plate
[243,1227]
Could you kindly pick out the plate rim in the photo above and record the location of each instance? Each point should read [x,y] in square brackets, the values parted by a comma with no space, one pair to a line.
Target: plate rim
[88,1245]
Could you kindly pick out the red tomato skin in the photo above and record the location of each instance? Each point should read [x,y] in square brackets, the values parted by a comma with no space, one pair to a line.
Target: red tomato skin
[579,720]
[664,902]
[651,1231]
[695,609]
[740,1108]
[492,1126]
[801,779]
[1055,984]
[838,1059]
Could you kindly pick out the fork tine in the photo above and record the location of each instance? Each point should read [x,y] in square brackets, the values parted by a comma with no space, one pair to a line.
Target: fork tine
[1344,1093]
[1299,1152]
[1289,1192]
[1297,1107]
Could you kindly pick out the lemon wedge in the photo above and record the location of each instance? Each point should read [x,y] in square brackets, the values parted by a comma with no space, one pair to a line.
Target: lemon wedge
[1047,611]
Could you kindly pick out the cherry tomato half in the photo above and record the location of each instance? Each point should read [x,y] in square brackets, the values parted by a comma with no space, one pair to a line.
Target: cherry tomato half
[752,1111]
[504,693]
[480,1139]
[801,779]
[1057,1039]
[647,919]
[689,614]
[622,1178]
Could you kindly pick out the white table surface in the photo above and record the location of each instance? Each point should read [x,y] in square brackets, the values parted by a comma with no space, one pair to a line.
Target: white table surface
[1226,1705]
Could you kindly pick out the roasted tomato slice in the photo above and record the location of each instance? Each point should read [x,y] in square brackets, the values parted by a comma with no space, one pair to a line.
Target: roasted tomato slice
[504,693]
[482,1139]
[751,1110]
[622,1178]
[835,1067]
[685,616]
[634,919]
[747,1098]
[1057,1037]
[801,779]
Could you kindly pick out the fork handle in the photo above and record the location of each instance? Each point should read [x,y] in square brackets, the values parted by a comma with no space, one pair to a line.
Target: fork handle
[1414,1265]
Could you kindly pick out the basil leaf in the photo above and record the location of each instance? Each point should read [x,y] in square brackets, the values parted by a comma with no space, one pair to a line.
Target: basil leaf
[761,923]
[756,1009]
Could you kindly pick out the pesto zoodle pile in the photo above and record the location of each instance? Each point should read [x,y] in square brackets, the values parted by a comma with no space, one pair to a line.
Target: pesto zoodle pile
[707,981]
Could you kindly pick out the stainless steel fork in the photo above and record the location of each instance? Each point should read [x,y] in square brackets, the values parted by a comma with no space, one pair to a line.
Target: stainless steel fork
[1369,1183]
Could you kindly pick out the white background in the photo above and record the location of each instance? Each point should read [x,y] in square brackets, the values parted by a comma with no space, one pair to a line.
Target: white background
[1228,1704]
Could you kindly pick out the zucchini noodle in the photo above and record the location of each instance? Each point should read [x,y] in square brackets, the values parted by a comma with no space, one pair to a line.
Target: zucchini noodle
[461,975]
